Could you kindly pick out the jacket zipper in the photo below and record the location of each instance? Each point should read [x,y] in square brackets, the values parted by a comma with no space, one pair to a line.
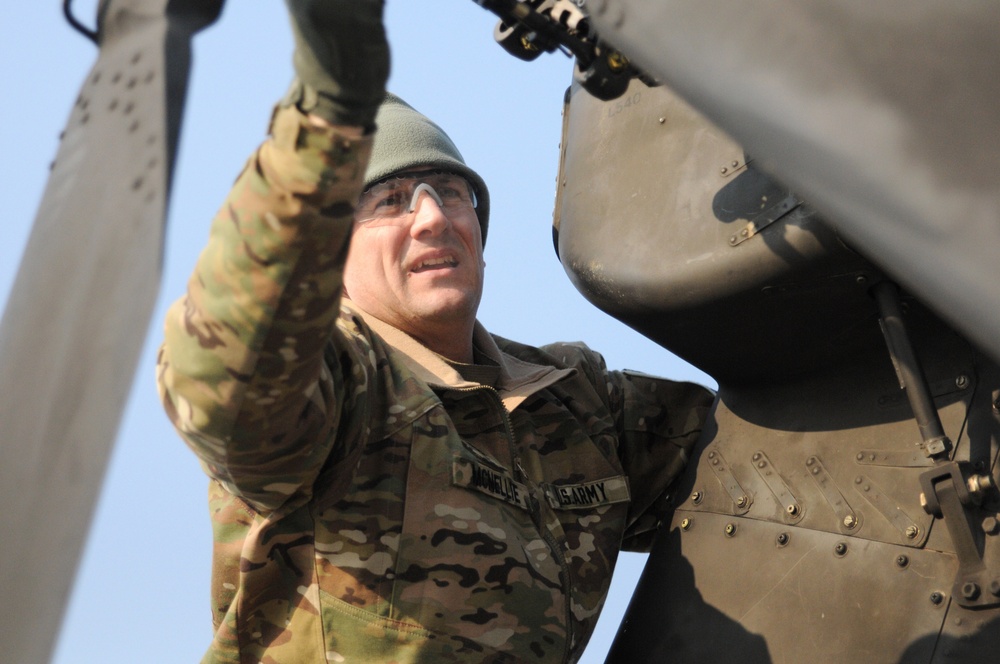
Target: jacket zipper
[536,514]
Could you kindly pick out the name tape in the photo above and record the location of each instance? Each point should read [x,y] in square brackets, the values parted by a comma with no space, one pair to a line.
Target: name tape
[492,482]
[589,494]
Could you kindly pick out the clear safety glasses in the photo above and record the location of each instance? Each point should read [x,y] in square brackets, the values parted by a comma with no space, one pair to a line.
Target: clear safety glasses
[393,200]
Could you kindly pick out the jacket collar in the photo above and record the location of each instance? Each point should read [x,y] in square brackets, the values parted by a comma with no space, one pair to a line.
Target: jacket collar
[518,379]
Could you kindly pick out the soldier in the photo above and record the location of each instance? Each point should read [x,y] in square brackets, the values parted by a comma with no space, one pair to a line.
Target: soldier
[390,482]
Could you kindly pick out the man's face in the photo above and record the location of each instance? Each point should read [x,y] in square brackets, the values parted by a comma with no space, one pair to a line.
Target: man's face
[421,270]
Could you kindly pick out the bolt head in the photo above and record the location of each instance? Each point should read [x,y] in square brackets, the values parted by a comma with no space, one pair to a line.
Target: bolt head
[850,521]
[911,532]
[990,525]
[685,524]
[970,590]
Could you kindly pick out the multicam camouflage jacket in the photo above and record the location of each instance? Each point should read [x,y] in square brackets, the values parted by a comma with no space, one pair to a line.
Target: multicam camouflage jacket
[370,504]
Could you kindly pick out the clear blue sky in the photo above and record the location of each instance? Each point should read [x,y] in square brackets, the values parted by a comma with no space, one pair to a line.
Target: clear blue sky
[142,590]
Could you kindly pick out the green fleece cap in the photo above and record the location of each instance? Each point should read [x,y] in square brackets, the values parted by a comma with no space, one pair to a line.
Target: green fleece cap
[406,139]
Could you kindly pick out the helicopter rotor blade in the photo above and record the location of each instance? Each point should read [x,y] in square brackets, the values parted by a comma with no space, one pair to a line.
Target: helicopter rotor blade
[883,115]
[79,309]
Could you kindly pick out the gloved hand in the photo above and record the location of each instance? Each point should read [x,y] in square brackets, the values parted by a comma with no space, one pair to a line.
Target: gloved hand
[341,59]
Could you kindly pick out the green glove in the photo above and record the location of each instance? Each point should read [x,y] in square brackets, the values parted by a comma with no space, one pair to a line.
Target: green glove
[341,59]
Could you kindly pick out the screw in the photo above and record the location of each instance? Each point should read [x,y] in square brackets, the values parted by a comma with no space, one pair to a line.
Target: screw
[970,590]
[793,510]
[685,524]
[783,540]
[850,521]
[696,497]
[741,501]
[990,525]
[911,532]
[936,598]
[840,549]
[861,280]
[902,561]
[962,382]
[730,529]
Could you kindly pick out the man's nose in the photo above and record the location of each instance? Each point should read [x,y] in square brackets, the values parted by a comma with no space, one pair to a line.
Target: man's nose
[428,215]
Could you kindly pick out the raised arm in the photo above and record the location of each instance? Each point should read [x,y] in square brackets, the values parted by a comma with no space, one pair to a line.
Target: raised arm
[241,370]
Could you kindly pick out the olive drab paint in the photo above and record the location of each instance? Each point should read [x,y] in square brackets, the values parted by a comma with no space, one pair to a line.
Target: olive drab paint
[816,520]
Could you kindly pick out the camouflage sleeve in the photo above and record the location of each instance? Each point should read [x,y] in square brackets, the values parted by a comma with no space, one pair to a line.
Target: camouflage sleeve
[239,372]
[659,421]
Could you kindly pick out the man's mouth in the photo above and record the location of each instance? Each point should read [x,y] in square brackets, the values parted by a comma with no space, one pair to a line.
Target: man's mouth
[435,263]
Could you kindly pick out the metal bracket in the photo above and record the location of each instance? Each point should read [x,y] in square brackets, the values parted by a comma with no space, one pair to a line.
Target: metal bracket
[947,492]
[765,219]
[741,499]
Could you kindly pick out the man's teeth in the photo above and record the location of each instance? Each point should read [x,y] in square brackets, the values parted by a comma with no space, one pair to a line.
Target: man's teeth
[434,262]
